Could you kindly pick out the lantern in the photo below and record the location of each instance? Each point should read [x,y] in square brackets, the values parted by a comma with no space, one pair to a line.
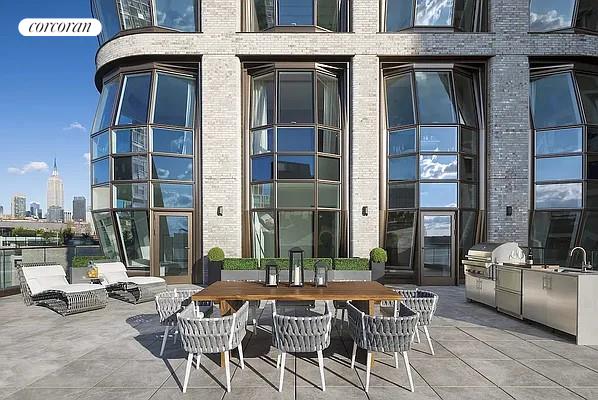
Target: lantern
[296,266]
[271,274]
[320,274]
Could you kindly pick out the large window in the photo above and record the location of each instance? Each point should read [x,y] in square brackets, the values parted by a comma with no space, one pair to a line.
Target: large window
[143,160]
[457,15]
[303,15]
[122,15]
[563,109]
[563,15]
[295,166]
[432,135]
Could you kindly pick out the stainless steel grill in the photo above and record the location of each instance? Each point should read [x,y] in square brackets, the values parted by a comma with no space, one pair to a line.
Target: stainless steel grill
[480,268]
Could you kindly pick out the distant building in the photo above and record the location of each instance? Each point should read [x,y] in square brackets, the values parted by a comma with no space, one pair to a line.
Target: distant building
[55,214]
[79,209]
[35,209]
[55,190]
[67,216]
[1,211]
[19,206]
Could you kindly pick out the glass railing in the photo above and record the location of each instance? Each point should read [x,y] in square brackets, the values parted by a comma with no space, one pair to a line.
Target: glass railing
[63,255]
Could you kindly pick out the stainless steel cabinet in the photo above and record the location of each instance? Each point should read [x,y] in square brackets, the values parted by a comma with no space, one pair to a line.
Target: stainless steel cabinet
[551,299]
[480,289]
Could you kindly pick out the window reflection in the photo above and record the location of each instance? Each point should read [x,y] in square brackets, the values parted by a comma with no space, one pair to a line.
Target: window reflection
[100,171]
[295,229]
[106,234]
[134,232]
[398,15]
[176,14]
[100,197]
[551,110]
[552,235]
[402,168]
[433,12]
[263,15]
[262,168]
[105,11]
[172,141]
[295,195]
[438,195]
[558,168]
[401,142]
[172,168]
[587,15]
[562,195]
[296,167]
[263,234]
[175,100]
[129,140]
[172,195]
[328,101]
[135,13]
[559,141]
[328,141]
[434,98]
[438,138]
[262,141]
[588,89]
[134,100]
[295,139]
[329,195]
[262,196]
[399,238]
[329,234]
[399,101]
[551,15]
[103,116]
[130,195]
[295,12]
[99,145]
[329,168]
[438,167]
[401,195]
[295,97]
[130,168]
[328,14]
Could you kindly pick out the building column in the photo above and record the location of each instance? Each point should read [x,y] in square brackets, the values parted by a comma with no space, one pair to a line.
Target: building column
[364,149]
[221,149]
[508,140]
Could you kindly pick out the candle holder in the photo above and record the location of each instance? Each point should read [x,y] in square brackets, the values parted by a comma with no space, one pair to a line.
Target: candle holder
[296,274]
[320,274]
[272,274]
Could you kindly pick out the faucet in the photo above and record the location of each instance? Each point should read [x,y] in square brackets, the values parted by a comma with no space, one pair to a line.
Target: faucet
[584,266]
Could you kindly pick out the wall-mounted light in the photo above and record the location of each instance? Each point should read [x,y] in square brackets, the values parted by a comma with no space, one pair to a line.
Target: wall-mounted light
[219,211]
[509,211]
[364,211]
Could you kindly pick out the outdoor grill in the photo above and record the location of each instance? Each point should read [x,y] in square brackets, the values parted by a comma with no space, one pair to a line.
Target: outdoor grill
[480,268]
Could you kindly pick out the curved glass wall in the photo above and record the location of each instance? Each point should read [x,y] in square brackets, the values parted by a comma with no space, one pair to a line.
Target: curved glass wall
[293,15]
[142,157]
[564,107]
[295,162]
[432,129]
[563,15]
[457,15]
[122,15]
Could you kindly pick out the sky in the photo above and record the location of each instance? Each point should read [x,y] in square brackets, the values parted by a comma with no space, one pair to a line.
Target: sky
[47,103]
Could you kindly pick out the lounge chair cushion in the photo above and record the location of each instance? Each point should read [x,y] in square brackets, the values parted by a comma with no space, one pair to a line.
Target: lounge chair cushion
[145,280]
[40,278]
[112,277]
[75,288]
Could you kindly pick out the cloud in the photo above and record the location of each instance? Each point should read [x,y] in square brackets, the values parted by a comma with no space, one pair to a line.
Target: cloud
[76,125]
[33,166]
[87,157]
[548,21]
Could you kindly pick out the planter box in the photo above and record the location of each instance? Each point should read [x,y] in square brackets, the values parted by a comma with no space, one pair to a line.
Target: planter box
[341,275]
[78,275]
[214,271]
[378,270]
[259,275]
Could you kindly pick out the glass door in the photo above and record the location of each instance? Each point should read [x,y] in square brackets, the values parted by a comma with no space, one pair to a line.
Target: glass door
[172,247]
[437,239]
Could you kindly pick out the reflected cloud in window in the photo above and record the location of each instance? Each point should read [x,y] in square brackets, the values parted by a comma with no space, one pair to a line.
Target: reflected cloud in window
[551,15]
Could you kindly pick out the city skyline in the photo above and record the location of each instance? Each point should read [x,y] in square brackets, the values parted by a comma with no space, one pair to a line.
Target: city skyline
[47,104]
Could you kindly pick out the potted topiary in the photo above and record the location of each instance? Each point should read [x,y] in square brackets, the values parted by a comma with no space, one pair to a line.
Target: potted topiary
[378,258]
[215,260]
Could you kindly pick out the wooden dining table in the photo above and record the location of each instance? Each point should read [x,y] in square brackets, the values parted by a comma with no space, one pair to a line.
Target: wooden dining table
[230,294]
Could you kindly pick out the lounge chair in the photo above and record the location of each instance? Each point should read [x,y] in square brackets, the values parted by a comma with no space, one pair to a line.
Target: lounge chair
[136,289]
[45,285]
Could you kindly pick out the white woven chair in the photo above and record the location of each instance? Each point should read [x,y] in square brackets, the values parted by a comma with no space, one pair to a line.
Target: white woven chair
[292,334]
[382,334]
[46,285]
[212,335]
[170,303]
[135,289]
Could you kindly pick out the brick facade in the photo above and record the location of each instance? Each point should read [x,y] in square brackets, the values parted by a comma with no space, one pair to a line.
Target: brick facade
[506,48]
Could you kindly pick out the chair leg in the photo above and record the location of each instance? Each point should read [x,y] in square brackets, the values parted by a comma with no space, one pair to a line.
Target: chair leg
[396,359]
[188,371]
[164,340]
[176,333]
[321,365]
[278,360]
[197,360]
[417,333]
[343,321]
[429,340]
[241,356]
[353,355]
[227,369]
[368,369]
[408,367]
[283,359]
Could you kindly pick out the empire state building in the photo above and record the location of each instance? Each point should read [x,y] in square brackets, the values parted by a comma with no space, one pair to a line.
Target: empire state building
[55,193]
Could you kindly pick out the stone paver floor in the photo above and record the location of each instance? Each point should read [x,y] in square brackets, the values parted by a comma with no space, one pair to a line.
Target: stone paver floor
[113,354]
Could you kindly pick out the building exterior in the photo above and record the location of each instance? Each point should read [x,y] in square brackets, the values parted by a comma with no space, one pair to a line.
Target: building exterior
[19,206]
[55,214]
[55,189]
[1,210]
[79,209]
[35,209]
[338,126]
[67,216]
